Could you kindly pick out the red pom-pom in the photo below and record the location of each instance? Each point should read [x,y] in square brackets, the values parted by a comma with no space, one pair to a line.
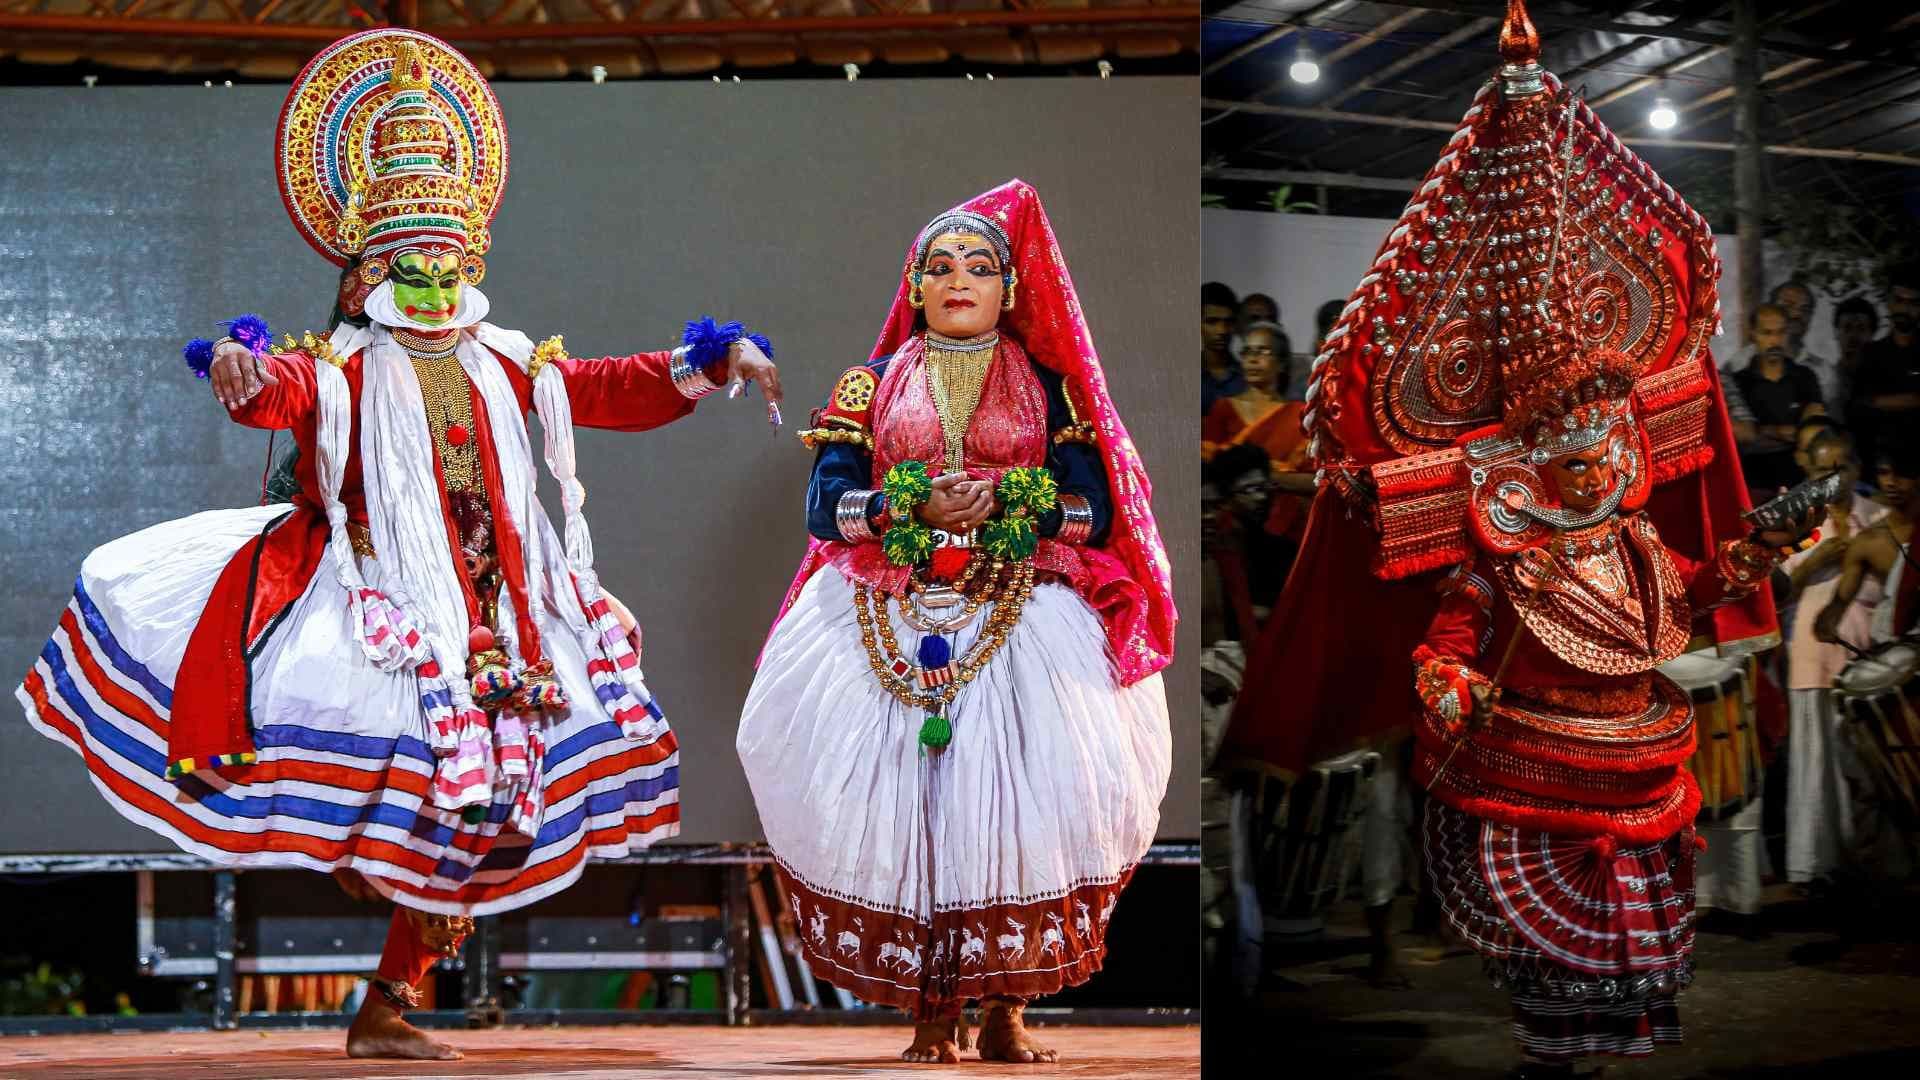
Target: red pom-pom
[1814,535]
[949,562]
[457,435]
[479,639]
[1699,842]
[1604,847]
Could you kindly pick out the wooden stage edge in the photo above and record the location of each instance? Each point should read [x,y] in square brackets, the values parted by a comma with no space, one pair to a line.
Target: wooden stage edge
[572,1053]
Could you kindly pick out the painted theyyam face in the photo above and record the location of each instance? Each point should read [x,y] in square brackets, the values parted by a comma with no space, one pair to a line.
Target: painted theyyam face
[1584,478]
[426,286]
[962,282]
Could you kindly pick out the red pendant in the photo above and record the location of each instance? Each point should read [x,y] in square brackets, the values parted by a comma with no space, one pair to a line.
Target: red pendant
[457,435]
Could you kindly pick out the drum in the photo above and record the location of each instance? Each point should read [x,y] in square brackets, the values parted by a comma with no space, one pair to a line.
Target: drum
[1310,840]
[1726,757]
[1880,695]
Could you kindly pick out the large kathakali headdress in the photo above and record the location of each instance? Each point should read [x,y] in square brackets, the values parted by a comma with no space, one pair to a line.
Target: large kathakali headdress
[1543,292]
[391,141]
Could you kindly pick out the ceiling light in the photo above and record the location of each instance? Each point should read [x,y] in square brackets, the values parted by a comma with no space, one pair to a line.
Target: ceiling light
[1663,117]
[1304,68]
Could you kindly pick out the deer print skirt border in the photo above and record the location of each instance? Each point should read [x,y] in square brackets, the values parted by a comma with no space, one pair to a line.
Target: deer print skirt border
[1001,950]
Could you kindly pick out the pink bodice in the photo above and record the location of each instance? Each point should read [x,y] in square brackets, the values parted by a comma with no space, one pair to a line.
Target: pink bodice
[1009,427]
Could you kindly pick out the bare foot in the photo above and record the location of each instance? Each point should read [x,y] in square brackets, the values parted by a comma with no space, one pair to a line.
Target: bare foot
[934,1042]
[379,1032]
[1383,971]
[1004,1035]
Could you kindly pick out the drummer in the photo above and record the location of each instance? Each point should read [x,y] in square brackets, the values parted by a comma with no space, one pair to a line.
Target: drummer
[1818,815]
[1881,553]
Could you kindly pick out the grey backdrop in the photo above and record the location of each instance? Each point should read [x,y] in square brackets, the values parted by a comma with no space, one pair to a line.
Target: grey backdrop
[132,219]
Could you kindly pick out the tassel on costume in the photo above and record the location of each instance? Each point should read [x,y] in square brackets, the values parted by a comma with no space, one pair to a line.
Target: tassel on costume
[539,690]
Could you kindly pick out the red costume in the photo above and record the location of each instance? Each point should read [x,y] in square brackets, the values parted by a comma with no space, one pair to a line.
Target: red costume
[1543,306]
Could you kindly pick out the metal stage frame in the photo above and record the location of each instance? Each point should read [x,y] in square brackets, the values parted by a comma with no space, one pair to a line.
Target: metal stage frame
[481,958]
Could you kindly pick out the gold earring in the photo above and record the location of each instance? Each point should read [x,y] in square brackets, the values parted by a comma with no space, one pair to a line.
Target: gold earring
[1013,283]
[915,298]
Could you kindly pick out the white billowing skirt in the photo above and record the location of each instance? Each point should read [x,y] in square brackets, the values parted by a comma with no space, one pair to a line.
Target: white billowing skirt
[988,867]
[343,768]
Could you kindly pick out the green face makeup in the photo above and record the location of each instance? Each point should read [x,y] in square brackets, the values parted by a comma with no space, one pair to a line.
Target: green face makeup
[426,288]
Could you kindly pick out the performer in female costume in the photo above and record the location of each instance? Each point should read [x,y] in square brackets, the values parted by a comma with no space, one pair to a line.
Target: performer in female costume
[958,738]
[1520,393]
[408,678]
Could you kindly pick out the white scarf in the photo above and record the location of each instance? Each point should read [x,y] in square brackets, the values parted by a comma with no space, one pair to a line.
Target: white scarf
[419,621]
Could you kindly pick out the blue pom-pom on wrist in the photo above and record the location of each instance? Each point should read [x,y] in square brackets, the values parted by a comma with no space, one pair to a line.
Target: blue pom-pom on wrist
[708,341]
[199,356]
[251,331]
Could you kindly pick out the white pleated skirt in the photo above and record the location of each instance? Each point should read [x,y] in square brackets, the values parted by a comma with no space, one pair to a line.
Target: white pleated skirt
[988,867]
[343,767]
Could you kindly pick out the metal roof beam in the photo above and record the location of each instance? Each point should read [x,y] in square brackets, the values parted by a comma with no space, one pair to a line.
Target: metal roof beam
[1328,179]
[1305,112]
[1564,21]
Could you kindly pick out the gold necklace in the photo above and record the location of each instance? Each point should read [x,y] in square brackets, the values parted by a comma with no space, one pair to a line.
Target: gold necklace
[957,374]
[447,395]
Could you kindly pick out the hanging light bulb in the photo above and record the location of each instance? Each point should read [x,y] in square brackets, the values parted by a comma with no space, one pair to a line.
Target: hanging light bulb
[1663,117]
[1305,68]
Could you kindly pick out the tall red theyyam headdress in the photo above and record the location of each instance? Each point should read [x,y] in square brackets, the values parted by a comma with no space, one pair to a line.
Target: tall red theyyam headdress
[1540,265]
[1048,323]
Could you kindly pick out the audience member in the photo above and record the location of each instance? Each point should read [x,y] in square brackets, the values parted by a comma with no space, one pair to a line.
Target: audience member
[1257,308]
[1219,373]
[1323,320]
[1780,392]
[1818,817]
[1854,324]
[1886,391]
[1796,302]
[1252,560]
[1261,417]
[1810,429]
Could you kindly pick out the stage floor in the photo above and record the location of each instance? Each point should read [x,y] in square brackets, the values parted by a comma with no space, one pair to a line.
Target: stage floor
[623,1053]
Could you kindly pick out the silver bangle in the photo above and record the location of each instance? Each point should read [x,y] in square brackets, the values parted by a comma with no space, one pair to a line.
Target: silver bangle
[692,382]
[850,516]
[1077,523]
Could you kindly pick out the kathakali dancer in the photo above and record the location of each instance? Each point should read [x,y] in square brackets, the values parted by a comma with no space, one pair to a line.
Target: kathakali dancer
[407,677]
[957,738]
[1520,394]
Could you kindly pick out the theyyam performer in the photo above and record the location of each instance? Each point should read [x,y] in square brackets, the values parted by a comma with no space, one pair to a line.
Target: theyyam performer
[407,678]
[1517,420]
[957,737]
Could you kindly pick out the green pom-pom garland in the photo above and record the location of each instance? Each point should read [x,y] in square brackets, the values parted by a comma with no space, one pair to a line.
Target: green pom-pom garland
[1028,492]
[1011,539]
[906,486]
[907,542]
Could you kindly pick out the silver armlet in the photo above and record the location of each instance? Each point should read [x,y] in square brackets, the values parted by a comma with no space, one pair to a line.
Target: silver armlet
[850,516]
[692,382]
[1077,524]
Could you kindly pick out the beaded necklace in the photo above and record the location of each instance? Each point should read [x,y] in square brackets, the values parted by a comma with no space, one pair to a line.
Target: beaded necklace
[447,395]
[934,681]
[957,374]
